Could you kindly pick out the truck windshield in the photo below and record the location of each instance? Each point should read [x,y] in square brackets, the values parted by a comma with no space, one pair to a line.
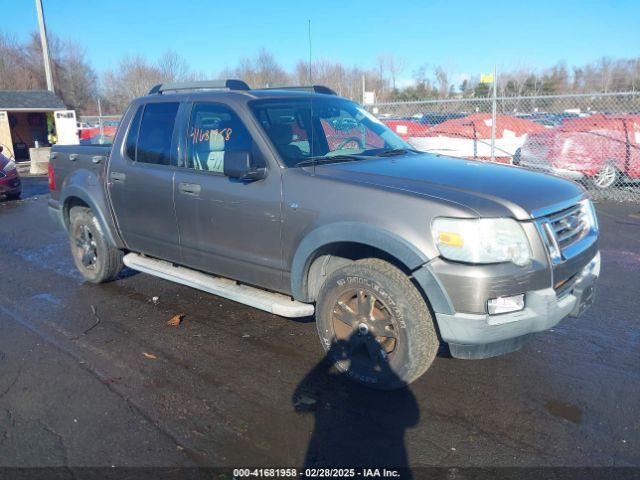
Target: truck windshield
[323,129]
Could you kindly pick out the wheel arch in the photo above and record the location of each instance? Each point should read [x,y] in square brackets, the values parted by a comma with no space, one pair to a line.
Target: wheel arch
[329,247]
[76,196]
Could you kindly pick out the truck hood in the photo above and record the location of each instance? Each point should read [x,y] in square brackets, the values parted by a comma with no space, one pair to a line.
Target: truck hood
[487,189]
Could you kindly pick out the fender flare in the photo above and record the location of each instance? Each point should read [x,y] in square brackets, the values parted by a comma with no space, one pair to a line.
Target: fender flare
[80,193]
[367,235]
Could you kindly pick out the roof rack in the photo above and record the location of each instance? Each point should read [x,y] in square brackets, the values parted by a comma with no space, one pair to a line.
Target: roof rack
[306,88]
[229,84]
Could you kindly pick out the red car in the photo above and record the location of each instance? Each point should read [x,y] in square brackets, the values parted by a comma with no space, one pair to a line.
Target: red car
[406,129]
[602,149]
[10,184]
[108,129]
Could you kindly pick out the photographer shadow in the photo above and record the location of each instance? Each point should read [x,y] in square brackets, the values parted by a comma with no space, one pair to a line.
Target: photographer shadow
[355,426]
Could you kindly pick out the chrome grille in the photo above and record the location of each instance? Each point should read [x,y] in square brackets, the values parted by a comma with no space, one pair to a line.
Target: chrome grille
[568,226]
[565,232]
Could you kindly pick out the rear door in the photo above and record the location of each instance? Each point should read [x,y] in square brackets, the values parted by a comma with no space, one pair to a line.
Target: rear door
[140,181]
[227,226]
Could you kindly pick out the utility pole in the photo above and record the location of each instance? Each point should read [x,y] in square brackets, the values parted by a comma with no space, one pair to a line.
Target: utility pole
[45,46]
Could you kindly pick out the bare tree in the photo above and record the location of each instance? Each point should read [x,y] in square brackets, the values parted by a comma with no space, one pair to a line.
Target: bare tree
[21,68]
[133,77]
[442,77]
[390,67]
[173,67]
[261,71]
[395,66]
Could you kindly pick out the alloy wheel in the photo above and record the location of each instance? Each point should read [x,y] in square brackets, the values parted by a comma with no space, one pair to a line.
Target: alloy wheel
[86,247]
[368,325]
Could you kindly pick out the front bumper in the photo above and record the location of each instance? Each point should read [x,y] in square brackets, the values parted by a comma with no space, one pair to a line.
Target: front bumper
[474,336]
[10,185]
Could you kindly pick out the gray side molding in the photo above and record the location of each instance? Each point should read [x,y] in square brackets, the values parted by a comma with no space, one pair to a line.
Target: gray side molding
[386,241]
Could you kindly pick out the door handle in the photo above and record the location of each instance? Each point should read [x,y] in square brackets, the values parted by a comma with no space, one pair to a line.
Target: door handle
[192,189]
[97,158]
[73,157]
[117,177]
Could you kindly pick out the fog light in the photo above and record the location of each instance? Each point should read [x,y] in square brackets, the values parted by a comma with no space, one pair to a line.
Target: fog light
[499,305]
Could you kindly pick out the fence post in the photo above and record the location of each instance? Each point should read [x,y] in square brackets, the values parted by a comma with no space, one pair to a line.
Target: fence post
[100,121]
[494,105]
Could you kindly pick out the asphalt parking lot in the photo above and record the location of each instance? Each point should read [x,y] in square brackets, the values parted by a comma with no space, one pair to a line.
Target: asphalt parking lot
[93,375]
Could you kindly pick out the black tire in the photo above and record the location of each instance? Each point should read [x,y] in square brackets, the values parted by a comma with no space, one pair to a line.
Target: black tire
[517,157]
[97,260]
[14,196]
[399,342]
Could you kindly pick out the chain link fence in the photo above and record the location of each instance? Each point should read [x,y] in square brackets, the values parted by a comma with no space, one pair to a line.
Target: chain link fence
[590,138]
[98,129]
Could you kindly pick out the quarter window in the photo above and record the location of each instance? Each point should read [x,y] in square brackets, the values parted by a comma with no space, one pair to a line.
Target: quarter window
[213,131]
[156,131]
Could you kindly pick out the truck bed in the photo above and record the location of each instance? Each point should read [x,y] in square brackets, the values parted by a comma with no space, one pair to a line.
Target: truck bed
[85,160]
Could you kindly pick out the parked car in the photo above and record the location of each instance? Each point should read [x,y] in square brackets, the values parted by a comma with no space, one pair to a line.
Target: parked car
[90,134]
[549,119]
[10,183]
[393,250]
[470,136]
[436,118]
[406,128]
[602,150]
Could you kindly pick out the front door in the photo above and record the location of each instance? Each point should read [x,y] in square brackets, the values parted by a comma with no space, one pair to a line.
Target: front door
[227,226]
[140,180]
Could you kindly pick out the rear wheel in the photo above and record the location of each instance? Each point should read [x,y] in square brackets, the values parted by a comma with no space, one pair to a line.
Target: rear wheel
[606,177]
[94,257]
[375,325]
[13,196]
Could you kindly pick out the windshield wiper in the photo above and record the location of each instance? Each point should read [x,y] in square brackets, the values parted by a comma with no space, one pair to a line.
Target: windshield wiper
[330,159]
[396,151]
[388,152]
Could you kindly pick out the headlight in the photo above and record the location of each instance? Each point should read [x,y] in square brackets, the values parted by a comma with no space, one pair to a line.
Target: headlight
[9,166]
[484,240]
[590,215]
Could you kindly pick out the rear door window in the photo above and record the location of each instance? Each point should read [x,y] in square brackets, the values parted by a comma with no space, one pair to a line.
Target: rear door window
[156,133]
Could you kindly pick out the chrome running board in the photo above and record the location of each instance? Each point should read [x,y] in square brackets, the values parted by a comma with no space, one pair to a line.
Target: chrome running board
[223,287]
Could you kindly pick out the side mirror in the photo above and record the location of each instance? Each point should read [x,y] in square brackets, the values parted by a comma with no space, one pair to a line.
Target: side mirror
[240,165]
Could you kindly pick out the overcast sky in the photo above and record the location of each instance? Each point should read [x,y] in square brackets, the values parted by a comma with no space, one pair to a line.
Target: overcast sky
[467,38]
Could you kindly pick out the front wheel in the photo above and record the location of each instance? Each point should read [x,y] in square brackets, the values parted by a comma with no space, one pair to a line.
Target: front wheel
[14,196]
[606,177]
[375,325]
[97,261]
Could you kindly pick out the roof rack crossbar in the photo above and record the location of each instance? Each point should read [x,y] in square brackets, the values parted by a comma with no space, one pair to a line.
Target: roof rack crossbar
[305,88]
[230,84]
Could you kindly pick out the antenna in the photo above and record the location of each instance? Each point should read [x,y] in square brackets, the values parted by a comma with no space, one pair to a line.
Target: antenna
[310,82]
[313,164]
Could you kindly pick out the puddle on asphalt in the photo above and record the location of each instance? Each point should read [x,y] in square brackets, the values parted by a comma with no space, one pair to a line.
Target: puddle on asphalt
[54,256]
[564,410]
